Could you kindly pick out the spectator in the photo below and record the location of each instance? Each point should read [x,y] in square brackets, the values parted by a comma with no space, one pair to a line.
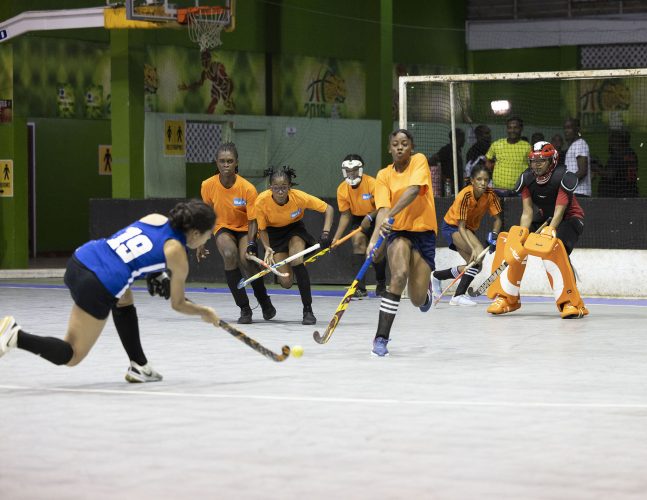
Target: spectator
[620,177]
[477,152]
[577,157]
[558,142]
[510,157]
[446,155]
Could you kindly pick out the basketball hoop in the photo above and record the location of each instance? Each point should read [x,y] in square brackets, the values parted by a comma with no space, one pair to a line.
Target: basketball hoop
[205,25]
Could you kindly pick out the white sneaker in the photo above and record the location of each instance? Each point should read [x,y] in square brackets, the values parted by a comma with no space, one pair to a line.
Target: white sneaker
[462,300]
[8,334]
[139,374]
[436,287]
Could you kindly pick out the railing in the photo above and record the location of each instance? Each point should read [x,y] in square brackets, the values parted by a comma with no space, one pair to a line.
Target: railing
[481,10]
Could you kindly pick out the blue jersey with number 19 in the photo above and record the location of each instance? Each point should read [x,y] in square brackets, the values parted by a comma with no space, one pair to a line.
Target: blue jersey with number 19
[128,254]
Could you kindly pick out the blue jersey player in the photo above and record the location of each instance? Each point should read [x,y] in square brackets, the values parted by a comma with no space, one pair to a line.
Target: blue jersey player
[99,276]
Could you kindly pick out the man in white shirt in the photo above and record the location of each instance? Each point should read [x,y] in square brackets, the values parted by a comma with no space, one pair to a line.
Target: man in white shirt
[578,158]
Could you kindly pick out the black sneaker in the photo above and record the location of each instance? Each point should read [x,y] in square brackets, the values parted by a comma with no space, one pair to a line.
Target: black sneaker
[360,293]
[380,289]
[245,316]
[308,316]
[268,309]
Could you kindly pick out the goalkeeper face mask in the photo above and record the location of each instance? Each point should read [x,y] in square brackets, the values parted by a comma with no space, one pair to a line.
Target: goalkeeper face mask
[543,160]
[352,171]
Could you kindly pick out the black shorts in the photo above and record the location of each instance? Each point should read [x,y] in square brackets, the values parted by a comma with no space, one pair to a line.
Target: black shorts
[87,291]
[280,236]
[356,221]
[569,231]
[236,234]
[424,242]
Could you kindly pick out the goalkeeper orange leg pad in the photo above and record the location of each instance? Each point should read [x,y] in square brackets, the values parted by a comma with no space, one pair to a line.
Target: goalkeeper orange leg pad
[505,290]
[561,277]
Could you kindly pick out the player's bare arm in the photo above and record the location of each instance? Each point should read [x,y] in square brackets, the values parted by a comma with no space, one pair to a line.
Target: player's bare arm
[344,220]
[527,213]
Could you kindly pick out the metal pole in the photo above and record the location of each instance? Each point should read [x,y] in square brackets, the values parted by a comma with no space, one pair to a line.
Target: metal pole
[452,115]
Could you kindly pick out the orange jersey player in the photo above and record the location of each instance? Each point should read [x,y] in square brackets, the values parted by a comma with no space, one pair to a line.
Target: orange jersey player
[403,191]
[233,198]
[356,203]
[461,221]
[279,212]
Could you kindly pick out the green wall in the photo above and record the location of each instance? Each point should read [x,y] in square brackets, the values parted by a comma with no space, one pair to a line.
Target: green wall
[67,173]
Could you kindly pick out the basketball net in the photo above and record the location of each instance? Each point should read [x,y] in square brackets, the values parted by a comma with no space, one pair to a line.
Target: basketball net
[205,26]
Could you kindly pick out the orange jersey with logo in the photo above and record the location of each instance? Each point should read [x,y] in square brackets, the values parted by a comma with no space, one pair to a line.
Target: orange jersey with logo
[360,200]
[466,207]
[234,206]
[420,215]
[270,213]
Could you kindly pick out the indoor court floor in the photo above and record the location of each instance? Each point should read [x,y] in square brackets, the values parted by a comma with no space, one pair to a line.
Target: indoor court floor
[468,406]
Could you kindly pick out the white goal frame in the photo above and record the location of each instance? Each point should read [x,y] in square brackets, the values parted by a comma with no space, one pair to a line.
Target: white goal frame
[469,78]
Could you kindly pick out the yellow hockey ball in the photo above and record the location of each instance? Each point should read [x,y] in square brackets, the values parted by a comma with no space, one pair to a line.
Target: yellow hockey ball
[296,351]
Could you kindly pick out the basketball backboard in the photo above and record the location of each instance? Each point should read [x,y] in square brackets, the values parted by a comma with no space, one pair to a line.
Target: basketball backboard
[162,11]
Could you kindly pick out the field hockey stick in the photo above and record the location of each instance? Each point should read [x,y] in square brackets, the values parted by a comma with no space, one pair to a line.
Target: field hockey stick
[497,272]
[468,266]
[264,264]
[341,308]
[285,350]
[337,243]
[244,283]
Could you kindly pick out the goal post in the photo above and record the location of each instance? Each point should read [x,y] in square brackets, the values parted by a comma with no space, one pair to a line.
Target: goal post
[610,105]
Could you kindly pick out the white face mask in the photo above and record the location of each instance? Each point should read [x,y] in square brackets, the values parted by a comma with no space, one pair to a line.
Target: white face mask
[350,165]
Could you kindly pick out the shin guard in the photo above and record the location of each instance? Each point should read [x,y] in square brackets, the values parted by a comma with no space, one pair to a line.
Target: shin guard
[558,268]
[509,247]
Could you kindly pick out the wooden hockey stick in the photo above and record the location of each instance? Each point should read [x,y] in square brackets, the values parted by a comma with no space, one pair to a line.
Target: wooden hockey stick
[341,308]
[337,243]
[468,266]
[264,264]
[285,350]
[263,272]
[497,272]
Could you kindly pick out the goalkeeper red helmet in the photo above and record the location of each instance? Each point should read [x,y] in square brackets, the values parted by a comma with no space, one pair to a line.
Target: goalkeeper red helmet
[543,151]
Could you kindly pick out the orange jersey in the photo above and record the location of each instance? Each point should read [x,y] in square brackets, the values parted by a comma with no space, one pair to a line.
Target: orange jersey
[234,206]
[360,200]
[420,215]
[466,207]
[270,213]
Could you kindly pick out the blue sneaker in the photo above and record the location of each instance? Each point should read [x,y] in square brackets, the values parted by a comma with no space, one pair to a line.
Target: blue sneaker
[428,301]
[379,347]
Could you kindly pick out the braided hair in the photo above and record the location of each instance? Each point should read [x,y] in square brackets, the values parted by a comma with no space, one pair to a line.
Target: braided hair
[274,173]
[229,147]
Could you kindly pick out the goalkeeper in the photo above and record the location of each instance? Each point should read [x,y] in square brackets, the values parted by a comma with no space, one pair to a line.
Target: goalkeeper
[547,190]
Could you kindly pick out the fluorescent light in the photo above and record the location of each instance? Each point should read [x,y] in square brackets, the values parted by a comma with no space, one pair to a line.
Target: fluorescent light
[500,107]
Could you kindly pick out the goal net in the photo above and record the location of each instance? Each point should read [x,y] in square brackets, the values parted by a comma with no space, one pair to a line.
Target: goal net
[455,118]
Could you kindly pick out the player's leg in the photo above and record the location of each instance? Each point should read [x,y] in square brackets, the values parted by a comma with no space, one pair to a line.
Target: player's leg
[124,316]
[423,252]
[465,249]
[227,245]
[399,255]
[260,291]
[505,290]
[560,273]
[359,241]
[296,245]
[437,277]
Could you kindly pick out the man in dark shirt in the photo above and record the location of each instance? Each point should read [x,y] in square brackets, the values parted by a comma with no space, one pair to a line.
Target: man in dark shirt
[445,155]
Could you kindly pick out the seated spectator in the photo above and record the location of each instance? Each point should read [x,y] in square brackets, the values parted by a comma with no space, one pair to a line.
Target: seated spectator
[507,158]
[619,179]
[445,156]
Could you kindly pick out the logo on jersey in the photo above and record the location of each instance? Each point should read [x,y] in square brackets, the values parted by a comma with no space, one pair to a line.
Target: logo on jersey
[367,196]
[295,214]
[240,202]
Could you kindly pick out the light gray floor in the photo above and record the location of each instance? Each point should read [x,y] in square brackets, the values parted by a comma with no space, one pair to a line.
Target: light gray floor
[525,406]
